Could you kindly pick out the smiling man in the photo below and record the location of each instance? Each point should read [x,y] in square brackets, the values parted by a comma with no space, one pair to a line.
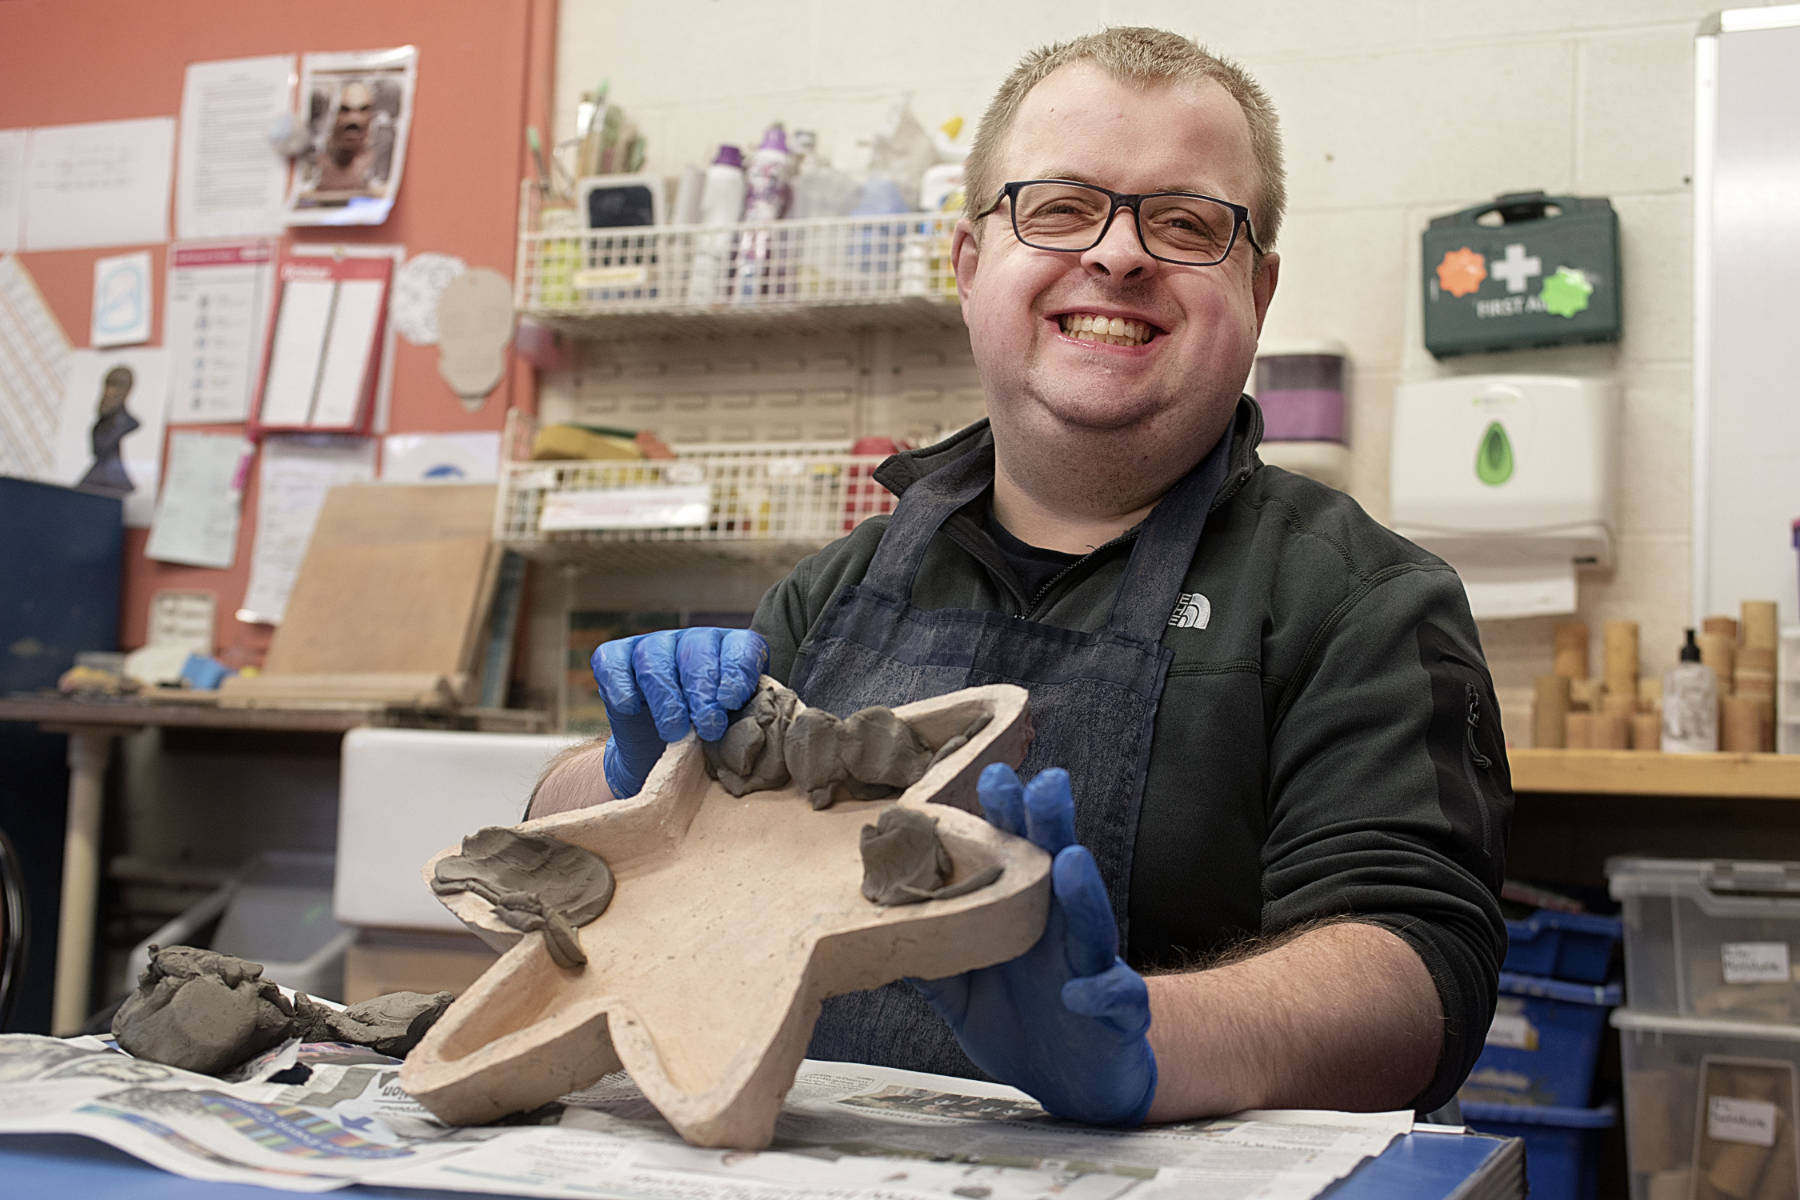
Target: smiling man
[1268,759]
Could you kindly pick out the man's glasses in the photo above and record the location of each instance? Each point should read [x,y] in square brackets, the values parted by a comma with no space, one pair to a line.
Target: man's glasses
[1184,228]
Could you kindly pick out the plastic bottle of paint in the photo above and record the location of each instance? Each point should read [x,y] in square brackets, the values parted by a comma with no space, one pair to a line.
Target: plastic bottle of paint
[1690,704]
[761,252]
[721,203]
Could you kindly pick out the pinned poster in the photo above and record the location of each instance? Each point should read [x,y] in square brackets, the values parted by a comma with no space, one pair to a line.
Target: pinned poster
[324,355]
[101,184]
[229,178]
[12,186]
[216,318]
[197,517]
[122,304]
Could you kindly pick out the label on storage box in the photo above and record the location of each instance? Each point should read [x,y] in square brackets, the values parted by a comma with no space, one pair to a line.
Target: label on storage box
[1513,1031]
[626,508]
[1754,962]
[1751,1122]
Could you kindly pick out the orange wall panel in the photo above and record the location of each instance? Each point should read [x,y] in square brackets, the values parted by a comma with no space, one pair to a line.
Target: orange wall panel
[483,74]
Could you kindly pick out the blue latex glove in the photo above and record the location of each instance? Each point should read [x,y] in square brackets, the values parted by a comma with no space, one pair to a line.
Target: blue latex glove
[1067,1020]
[656,686]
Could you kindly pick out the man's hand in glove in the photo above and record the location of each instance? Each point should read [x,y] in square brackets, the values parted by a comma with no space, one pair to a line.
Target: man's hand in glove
[1067,1020]
[656,686]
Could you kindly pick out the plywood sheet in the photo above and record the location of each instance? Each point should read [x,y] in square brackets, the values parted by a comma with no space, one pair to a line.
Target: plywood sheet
[396,580]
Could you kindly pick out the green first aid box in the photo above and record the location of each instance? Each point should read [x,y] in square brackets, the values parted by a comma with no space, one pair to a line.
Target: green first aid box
[1524,270]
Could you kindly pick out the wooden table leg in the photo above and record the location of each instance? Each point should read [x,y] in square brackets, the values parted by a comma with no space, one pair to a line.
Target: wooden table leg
[89,751]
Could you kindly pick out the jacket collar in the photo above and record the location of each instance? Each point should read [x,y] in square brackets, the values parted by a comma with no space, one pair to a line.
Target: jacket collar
[899,471]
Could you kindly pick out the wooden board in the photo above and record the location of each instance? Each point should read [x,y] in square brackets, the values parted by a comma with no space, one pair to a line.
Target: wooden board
[396,581]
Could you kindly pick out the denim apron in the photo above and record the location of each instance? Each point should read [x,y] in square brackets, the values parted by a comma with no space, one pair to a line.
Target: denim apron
[1093,699]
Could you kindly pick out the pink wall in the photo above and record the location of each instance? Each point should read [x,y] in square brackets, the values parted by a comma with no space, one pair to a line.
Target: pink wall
[484,73]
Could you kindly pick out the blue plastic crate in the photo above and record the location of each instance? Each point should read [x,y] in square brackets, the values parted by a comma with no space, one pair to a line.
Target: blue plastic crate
[1562,1145]
[1576,946]
[1543,1044]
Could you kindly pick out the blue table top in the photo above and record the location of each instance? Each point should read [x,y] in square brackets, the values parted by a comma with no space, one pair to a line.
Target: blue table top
[1419,1166]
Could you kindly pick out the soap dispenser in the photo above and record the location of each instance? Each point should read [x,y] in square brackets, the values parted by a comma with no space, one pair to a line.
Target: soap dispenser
[1690,704]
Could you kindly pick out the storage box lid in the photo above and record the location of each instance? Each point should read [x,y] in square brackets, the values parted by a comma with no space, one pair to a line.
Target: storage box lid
[1631,1021]
[1559,989]
[1664,876]
[1477,1112]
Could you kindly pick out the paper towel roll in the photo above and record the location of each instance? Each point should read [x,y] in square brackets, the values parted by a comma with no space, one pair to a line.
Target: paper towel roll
[1519,589]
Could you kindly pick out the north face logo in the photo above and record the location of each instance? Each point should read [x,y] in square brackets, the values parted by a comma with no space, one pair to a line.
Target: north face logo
[1192,611]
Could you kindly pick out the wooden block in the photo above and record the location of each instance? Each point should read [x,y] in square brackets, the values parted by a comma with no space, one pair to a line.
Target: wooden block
[1646,731]
[1753,674]
[1578,731]
[1727,626]
[734,917]
[1585,694]
[1747,724]
[1649,690]
[1718,650]
[1570,650]
[1550,712]
[1759,628]
[341,690]
[1620,657]
[1609,731]
[1622,704]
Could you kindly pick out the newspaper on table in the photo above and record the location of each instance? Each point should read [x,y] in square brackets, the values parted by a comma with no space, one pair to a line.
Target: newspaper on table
[315,1117]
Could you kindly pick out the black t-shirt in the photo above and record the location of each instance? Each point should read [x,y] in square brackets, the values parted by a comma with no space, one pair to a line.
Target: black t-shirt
[1033,565]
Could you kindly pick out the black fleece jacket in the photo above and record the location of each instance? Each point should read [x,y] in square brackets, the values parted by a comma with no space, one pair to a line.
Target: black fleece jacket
[1327,745]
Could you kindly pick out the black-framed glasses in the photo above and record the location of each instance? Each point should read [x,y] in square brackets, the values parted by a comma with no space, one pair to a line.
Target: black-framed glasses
[1184,228]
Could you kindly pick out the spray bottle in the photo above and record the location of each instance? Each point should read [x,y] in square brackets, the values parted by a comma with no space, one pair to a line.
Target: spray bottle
[721,203]
[760,265]
[1690,704]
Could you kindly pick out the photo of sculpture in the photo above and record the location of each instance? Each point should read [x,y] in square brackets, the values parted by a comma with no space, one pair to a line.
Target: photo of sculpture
[353,120]
[355,110]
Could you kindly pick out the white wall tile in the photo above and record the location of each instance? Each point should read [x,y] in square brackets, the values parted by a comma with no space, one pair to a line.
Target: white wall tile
[1255,33]
[1343,276]
[1655,459]
[1449,126]
[1457,20]
[1636,112]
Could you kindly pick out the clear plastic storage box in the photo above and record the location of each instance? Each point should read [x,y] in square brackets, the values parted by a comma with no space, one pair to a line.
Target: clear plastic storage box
[1713,939]
[1710,1108]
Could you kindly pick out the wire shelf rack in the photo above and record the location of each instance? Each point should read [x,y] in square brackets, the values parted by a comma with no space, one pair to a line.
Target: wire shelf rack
[763,502]
[890,271]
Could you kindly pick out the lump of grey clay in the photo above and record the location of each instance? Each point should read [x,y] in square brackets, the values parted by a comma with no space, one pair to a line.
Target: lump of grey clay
[749,757]
[533,883]
[904,861]
[872,754]
[392,1024]
[201,1011]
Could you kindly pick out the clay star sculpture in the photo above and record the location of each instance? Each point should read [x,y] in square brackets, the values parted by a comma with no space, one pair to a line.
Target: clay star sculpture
[733,917]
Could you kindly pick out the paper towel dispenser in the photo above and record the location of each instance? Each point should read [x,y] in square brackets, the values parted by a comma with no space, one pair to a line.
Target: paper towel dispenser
[1509,478]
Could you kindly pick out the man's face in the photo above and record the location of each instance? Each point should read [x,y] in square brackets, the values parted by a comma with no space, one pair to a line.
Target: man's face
[1171,393]
[350,127]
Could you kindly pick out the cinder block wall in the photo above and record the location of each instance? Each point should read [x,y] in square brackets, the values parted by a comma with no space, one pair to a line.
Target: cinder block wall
[1394,111]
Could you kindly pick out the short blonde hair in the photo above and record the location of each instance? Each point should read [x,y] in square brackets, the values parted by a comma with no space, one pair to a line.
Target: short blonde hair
[1143,57]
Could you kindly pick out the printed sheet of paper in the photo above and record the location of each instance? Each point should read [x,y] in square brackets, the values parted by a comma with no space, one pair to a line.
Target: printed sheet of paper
[33,356]
[111,427]
[12,186]
[197,517]
[122,301]
[179,618]
[102,184]
[296,473]
[229,179]
[215,326]
[451,457]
